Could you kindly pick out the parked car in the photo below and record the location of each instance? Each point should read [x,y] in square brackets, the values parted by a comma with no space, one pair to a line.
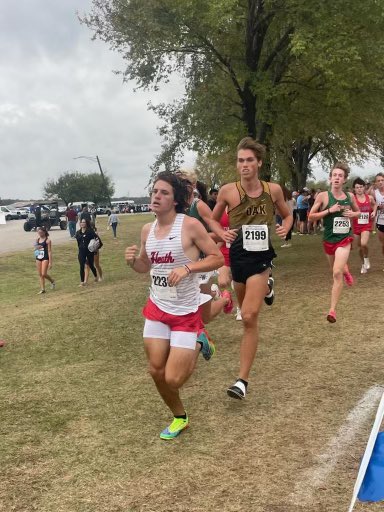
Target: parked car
[103,210]
[23,212]
[10,213]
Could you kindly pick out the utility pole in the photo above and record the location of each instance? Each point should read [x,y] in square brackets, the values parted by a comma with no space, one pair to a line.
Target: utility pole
[105,185]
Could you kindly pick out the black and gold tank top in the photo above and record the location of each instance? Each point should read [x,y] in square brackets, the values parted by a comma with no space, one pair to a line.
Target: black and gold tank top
[252,210]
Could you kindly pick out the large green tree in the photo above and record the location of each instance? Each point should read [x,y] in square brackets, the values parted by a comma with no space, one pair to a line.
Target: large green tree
[296,74]
[76,186]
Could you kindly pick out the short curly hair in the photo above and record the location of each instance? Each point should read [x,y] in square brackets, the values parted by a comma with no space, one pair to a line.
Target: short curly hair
[180,189]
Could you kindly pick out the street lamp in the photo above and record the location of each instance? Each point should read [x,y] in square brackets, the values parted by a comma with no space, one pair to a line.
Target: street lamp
[92,159]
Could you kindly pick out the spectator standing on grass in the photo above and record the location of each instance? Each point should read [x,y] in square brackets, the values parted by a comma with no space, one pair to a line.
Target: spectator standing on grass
[96,253]
[85,215]
[170,251]
[295,195]
[83,236]
[43,255]
[336,208]
[302,210]
[71,217]
[113,221]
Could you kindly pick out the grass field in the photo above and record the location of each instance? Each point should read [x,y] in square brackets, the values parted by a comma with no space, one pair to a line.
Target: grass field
[80,417]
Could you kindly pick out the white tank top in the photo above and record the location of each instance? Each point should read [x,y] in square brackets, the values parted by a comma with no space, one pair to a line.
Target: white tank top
[380,213]
[165,255]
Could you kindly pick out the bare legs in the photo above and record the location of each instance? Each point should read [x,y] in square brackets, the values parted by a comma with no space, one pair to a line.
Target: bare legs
[42,269]
[338,264]
[362,242]
[250,297]
[380,235]
[212,308]
[170,368]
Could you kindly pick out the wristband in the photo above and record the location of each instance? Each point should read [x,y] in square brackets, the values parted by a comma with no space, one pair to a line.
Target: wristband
[187,269]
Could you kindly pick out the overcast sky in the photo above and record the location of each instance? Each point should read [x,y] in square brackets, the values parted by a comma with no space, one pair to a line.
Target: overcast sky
[59,99]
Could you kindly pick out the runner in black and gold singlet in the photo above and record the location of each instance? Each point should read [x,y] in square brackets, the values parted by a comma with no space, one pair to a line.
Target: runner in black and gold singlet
[251,205]
[252,252]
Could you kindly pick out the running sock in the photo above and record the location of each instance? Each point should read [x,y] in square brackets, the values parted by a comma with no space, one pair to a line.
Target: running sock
[182,417]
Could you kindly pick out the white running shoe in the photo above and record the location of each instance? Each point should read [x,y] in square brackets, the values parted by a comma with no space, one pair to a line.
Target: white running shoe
[238,314]
[363,269]
[215,290]
[367,263]
[53,285]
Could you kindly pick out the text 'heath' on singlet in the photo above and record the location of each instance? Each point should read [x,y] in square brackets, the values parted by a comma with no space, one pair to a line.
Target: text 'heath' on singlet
[166,254]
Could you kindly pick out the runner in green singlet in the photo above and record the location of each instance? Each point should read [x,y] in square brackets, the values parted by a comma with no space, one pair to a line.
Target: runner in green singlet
[336,208]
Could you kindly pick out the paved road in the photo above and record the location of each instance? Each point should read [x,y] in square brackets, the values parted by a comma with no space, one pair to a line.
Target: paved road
[13,238]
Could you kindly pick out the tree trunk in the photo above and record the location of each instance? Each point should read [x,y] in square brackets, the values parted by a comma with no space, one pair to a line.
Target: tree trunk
[300,170]
[249,110]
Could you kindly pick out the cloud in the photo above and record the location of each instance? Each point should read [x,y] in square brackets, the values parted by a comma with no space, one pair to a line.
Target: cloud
[61,99]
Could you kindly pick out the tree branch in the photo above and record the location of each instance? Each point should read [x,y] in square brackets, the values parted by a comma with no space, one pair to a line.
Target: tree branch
[281,45]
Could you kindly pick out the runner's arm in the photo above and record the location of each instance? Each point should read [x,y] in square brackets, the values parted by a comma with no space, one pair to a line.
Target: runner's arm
[317,212]
[207,215]
[355,211]
[140,263]
[373,206]
[200,238]
[279,201]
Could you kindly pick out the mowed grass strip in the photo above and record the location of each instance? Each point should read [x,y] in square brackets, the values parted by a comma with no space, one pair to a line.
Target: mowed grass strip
[80,416]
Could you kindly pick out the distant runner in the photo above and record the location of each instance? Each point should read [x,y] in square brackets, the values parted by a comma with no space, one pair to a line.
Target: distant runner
[336,208]
[379,198]
[362,226]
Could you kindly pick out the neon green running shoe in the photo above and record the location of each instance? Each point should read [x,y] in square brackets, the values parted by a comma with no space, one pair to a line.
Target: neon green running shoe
[175,428]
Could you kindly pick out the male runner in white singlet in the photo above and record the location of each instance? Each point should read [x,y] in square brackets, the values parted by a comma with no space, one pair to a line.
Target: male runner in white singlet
[170,251]
[378,195]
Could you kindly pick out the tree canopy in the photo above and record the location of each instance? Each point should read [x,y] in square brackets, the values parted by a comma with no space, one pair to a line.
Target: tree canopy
[302,76]
[76,186]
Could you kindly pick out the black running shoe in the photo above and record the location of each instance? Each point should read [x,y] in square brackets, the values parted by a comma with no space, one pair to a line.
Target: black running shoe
[268,299]
[236,392]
